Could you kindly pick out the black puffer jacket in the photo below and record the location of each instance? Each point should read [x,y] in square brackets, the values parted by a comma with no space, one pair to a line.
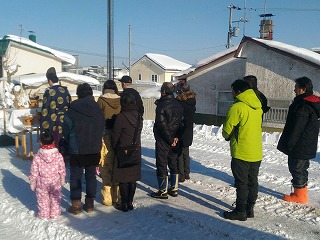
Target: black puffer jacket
[299,138]
[168,118]
[188,103]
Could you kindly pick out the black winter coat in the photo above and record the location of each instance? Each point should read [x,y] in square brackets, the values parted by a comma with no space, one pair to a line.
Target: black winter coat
[188,103]
[299,138]
[84,126]
[168,119]
[137,97]
[263,100]
[122,134]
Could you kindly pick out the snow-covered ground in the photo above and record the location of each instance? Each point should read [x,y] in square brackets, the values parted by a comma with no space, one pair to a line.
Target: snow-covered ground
[195,214]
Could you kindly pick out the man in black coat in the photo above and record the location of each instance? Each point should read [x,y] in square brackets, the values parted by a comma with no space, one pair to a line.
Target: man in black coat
[167,123]
[126,82]
[299,138]
[187,99]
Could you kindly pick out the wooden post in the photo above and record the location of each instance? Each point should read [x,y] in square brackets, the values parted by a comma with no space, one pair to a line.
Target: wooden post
[4,110]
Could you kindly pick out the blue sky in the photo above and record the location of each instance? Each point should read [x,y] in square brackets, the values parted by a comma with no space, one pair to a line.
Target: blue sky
[187,30]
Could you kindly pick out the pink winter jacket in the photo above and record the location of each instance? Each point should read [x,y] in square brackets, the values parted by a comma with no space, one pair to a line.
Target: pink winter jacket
[47,167]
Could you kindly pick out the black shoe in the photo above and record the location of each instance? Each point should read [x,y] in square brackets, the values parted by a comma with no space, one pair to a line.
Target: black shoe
[130,206]
[250,212]
[187,177]
[160,194]
[235,215]
[173,193]
[181,179]
[121,207]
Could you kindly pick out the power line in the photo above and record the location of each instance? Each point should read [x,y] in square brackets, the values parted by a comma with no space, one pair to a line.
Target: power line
[86,53]
[289,9]
[178,50]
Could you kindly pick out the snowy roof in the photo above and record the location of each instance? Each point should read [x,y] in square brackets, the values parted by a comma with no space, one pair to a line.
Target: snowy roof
[36,80]
[302,53]
[206,61]
[167,63]
[61,55]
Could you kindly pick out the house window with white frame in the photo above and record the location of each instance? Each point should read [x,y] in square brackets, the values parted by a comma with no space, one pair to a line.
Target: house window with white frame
[154,78]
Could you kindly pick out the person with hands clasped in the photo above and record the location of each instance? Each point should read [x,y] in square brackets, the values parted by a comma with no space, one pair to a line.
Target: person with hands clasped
[47,175]
[168,120]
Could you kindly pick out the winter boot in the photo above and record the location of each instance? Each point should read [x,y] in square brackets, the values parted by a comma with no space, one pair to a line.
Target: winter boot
[106,196]
[115,193]
[300,195]
[163,188]
[88,205]
[124,198]
[75,208]
[250,212]
[131,191]
[173,190]
[237,214]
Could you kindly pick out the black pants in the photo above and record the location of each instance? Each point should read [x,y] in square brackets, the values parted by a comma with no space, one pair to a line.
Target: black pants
[246,181]
[166,156]
[184,162]
[299,171]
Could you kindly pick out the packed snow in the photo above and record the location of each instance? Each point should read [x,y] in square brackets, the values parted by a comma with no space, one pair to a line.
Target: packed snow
[195,214]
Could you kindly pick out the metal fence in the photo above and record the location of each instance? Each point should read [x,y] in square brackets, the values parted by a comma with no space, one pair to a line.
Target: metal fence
[274,115]
[149,108]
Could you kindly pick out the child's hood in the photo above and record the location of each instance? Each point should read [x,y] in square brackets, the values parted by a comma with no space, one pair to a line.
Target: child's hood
[48,155]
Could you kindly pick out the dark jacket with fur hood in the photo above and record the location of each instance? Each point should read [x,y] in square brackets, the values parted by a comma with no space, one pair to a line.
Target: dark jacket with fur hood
[188,103]
[299,138]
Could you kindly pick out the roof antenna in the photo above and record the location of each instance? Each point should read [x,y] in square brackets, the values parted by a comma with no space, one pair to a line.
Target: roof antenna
[20,26]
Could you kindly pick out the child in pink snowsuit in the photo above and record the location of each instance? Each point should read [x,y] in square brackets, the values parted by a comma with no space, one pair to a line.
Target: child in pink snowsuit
[47,175]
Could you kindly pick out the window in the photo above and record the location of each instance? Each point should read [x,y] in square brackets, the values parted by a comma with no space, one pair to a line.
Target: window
[140,77]
[154,78]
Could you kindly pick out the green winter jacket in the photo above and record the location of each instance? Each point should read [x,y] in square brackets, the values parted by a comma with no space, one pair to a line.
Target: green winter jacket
[243,127]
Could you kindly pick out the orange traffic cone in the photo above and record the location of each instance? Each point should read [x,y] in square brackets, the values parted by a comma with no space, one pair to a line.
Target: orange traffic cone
[300,195]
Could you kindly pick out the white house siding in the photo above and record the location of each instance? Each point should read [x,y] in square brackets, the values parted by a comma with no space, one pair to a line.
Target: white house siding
[218,76]
[276,72]
[31,60]
[146,68]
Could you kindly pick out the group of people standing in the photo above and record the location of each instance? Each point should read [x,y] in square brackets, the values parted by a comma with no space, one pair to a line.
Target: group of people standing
[243,128]
[91,131]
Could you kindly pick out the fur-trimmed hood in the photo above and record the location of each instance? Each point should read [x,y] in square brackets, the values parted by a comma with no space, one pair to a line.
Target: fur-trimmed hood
[186,95]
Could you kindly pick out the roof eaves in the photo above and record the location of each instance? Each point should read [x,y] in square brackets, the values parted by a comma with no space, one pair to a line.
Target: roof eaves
[155,62]
[216,60]
[287,54]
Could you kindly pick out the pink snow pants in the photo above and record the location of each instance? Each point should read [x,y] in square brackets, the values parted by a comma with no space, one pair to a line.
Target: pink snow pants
[49,196]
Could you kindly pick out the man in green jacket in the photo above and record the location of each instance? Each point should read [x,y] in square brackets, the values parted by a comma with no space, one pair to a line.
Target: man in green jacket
[243,128]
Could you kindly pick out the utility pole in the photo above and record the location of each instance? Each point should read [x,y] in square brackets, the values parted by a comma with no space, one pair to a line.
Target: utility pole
[231,31]
[129,50]
[110,60]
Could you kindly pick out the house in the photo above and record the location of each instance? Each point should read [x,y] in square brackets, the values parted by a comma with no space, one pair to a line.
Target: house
[156,68]
[275,64]
[29,56]
[26,63]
